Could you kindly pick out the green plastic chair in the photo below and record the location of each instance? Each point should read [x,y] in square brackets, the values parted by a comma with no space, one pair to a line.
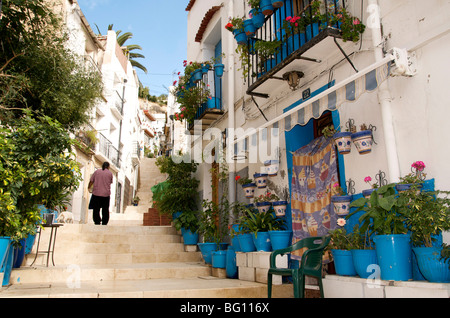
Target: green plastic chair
[310,264]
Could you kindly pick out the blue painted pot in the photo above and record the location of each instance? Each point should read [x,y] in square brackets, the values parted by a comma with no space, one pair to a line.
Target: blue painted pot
[364,260]
[231,269]
[363,141]
[218,69]
[343,262]
[367,193]
[277,3]
[343,141]
[240,36]
[19,253]
[206,249]
[394,255]
[197,75]
[262,241]
[249,190]
[30,242]
[280,239]
[6,258]
[263,207]
[219,259]
[261,180]
[235,239]
[341,204]
[189,238]
[205,68]
[246,243]
[431,266]
[405,187]
[266,7]
[280,208]
[249,28]
[257,18]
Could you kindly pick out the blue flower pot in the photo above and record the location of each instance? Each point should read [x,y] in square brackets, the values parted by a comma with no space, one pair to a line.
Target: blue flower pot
[197,75]
[266,7]
[277,3]
[30,242]
[205,68]
[189,238]
[280,208]
[364,260]
[240,36]
[261,180]
[280,239]
[206,249]
[431,266]
[394,255]
[367,193]
[246,243]
[219,259]
[363,141]
[343,141]
[263,207]
[343,262]
[231,267]
[19,253]
[6,258]
[262,241]
[235,239]
[257,18]
[249,28]
[218,69]
[405,187]
[341,204]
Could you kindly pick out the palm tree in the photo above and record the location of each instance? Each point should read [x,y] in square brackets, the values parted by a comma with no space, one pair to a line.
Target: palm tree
[127,49]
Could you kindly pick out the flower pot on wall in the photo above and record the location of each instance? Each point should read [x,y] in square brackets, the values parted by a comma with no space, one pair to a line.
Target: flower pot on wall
[280,208]
[272,167]
[266,7]
[249,190]
[367,193]
[263,207]
[363,141]
[405,187]
[364,262]
[343,142]
[341,204]
[257,18]
[343,262]
[261,180]
[394,256]
[431,266]
[218,69]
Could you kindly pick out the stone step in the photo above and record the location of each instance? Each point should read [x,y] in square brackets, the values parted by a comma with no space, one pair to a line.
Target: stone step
[196,287]
[112,272]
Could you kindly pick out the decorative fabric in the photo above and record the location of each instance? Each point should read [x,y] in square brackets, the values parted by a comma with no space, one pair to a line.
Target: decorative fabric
[313,174]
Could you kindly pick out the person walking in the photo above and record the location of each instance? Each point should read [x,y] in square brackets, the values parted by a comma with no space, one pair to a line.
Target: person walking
[101,193]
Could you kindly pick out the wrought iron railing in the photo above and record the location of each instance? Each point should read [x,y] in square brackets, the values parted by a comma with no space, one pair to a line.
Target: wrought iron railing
[214,101]
[108,150]
[272,31]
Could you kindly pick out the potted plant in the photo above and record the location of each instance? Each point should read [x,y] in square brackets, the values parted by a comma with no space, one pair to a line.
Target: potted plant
[260,180]
[256,14]
[259,225]
[351,27]
[343,140]
[277,3]
[366,193]
[293,31]
[136,201]
[384,219]
[427,215]
[413,179]
[187,222]
[266,7]
[248,185]
[340,246]
[264,201]
[340,199]
[363,252]
[363,140]
[272,167]
[236,26]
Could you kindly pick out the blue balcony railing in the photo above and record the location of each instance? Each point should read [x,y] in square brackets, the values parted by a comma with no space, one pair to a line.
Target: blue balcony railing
[263,66]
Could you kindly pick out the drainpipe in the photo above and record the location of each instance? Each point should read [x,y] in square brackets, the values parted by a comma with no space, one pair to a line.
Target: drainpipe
[384,94]
[231,115]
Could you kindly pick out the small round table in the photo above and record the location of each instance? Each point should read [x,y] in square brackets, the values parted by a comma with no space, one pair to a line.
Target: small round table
[51,248]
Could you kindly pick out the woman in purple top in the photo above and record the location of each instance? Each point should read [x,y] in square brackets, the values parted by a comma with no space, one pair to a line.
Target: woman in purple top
[102,180]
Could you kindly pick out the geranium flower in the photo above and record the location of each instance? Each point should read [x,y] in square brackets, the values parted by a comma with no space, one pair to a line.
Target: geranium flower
[367,179]
[419,165]
[237,178]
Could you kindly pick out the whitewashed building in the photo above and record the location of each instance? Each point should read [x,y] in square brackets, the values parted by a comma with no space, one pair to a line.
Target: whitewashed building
[392,79]
[114,133]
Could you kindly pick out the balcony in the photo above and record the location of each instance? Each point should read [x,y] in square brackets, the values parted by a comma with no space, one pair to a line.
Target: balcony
[298,49]
[136,153]
[208,112]
[107,152]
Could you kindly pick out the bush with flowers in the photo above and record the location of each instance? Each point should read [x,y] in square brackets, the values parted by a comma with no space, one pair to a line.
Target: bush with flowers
[268,197]
[351,27]
[416,175]
[235,24]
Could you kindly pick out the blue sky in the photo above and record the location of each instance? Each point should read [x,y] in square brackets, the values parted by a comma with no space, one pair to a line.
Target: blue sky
[158,26]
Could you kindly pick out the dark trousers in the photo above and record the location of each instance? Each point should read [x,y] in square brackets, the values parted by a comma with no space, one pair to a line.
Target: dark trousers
[103,204]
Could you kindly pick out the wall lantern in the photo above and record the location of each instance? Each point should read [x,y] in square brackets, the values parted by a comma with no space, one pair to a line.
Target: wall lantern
[293,78]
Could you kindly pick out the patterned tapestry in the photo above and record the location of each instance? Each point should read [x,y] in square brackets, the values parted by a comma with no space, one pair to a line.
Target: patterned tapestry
[314,172]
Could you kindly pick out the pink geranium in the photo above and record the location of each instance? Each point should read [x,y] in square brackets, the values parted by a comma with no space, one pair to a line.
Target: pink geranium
[418,165]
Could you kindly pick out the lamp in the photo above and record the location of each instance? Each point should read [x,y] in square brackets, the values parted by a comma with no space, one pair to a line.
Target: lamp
[293,78]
